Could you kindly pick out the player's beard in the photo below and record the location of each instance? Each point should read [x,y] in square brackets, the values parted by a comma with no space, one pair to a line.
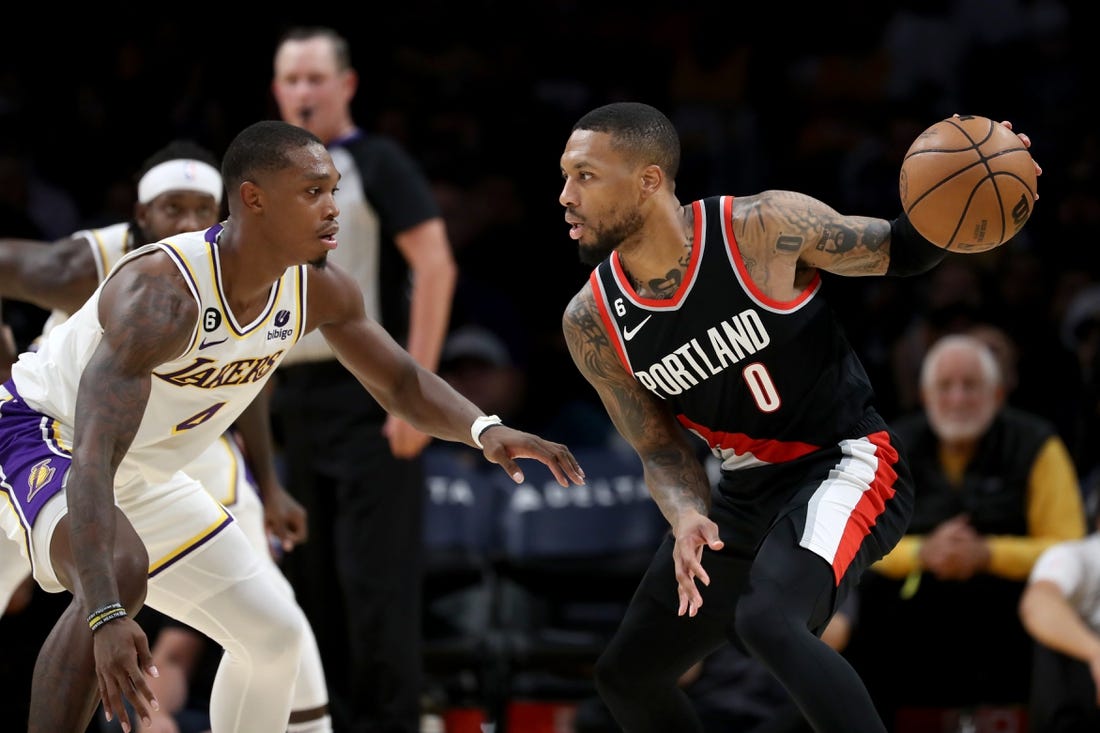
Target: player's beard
[319,262]
[609,238]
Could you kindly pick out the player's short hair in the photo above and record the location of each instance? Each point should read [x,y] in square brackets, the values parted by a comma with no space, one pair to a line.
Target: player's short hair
[641,131]
[263,147]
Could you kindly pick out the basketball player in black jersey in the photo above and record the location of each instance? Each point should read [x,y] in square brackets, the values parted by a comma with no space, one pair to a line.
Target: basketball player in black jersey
[709,319]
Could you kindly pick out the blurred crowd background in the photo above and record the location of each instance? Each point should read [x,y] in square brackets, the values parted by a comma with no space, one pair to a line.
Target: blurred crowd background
[824,98]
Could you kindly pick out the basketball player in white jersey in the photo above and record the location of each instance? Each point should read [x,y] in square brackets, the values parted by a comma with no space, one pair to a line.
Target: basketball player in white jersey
[179,190]
[96,425]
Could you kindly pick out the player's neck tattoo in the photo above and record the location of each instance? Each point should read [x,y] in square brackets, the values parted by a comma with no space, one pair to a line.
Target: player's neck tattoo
[664,288]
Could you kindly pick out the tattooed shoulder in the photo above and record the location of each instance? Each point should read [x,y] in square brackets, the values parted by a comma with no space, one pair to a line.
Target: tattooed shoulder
[149,311]
[582,318]
[585,335]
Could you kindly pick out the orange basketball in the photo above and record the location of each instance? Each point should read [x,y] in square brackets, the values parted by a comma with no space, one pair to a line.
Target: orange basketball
[968,184]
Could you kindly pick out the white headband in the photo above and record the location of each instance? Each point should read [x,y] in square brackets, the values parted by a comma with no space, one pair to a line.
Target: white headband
[181,174]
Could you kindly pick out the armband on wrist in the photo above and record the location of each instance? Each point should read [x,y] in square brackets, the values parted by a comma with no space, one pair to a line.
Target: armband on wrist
[910,253]
[103,614]
[482,424]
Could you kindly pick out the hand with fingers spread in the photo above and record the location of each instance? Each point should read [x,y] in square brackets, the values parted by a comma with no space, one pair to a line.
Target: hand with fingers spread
[503,445]
[122,659]
[693,533]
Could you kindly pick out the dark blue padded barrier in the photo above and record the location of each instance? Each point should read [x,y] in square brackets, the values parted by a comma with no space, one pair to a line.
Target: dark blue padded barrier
[460,512]
[611,514]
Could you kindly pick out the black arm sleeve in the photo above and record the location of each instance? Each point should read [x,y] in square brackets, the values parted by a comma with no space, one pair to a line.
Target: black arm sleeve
[910,253]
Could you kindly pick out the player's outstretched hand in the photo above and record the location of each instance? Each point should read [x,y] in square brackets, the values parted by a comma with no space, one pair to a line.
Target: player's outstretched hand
[122,659]
[503,445]
[693,533]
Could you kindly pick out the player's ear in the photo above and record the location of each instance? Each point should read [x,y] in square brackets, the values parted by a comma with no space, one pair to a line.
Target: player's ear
[652,179]
[252,196]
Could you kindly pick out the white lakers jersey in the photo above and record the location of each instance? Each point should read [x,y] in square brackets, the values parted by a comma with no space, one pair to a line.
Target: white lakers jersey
[197,395]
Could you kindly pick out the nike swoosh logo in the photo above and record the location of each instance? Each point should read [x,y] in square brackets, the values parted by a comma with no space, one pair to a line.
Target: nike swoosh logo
[629,333]
[206,344]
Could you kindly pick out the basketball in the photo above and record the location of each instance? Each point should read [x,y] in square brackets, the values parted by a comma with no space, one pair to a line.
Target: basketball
[967,184]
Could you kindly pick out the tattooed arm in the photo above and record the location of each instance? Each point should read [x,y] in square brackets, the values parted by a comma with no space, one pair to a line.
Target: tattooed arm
[785,233]
[676,479]
[147,315]
[785,236]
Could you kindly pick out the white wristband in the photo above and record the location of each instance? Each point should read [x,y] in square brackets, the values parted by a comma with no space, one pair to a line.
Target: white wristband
[482,424]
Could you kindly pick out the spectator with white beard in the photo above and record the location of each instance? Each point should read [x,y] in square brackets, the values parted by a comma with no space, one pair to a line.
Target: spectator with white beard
[995,487]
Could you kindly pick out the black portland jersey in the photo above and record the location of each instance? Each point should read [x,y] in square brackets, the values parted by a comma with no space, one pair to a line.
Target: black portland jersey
[761,381]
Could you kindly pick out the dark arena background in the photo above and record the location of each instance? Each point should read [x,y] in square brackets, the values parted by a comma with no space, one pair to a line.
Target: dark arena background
[823,99]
